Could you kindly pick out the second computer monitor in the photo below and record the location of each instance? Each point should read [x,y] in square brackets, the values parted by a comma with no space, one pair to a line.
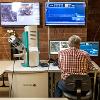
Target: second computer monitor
[91,47]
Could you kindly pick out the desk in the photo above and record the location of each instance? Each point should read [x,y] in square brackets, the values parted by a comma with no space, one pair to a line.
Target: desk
[56,69]
[4,65]
[27,81]
[56,78]
[33,99]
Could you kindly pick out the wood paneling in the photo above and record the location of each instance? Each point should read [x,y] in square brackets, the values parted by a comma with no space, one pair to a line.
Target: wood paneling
[93,24]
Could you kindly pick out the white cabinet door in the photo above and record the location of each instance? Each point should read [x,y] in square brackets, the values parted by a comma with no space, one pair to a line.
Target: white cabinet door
[29,84]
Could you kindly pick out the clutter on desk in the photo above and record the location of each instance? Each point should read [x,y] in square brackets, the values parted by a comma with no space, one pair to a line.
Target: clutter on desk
[43,64]
[51,60]
[54,62]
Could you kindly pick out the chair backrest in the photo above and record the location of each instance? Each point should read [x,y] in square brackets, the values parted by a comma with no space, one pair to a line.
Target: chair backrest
[73,80]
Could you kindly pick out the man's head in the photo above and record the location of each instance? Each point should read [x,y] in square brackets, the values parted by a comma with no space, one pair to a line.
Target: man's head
[74,41]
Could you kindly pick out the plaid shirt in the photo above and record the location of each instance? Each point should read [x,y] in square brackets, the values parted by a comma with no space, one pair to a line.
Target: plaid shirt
[74,61]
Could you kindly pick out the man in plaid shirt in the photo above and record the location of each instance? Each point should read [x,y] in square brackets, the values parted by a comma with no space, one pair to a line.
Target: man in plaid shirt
[72,61]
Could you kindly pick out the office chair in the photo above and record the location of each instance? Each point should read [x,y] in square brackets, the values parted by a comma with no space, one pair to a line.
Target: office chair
[80,86]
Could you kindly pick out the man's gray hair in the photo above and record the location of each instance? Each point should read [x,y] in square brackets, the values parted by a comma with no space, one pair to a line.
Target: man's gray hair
[74,41]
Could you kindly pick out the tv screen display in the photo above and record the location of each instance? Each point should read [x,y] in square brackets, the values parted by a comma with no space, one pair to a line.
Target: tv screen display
[91,47]
[65,13]
[18,13]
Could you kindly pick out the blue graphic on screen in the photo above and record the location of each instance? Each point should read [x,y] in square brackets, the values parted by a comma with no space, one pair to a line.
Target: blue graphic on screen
[65,13]
[91,47]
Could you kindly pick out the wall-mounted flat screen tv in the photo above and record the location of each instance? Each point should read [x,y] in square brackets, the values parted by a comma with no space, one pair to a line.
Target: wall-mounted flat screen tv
[65,13]
[18,13]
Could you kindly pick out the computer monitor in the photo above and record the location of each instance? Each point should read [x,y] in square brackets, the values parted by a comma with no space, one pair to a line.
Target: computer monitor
[56,46]
[91,47]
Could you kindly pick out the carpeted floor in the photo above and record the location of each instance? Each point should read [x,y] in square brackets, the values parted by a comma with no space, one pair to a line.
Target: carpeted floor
[4,92]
